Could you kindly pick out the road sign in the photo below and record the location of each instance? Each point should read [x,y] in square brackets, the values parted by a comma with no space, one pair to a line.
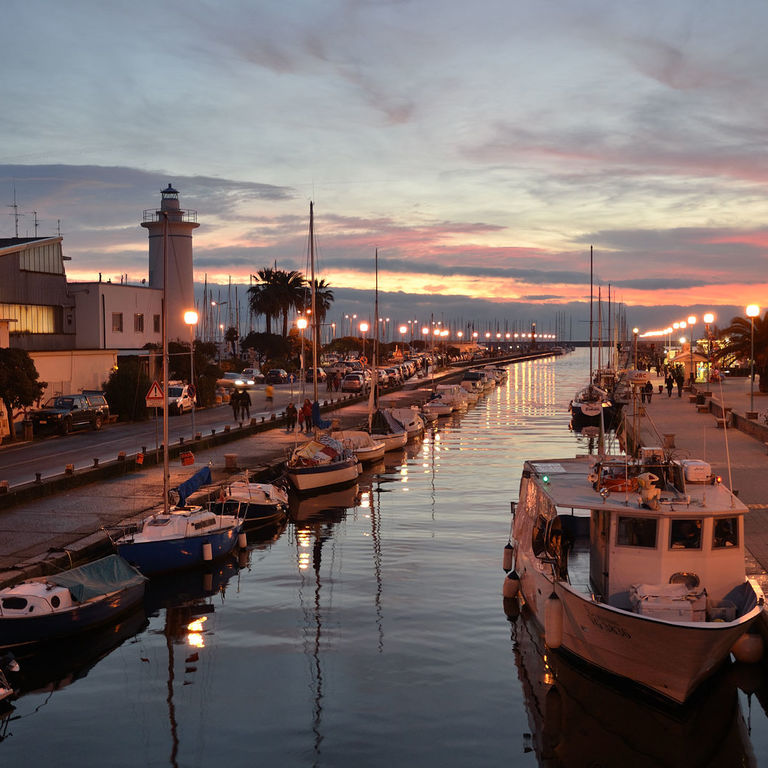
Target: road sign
[154,397]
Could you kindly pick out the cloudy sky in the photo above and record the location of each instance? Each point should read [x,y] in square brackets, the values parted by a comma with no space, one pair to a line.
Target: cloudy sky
[481,147]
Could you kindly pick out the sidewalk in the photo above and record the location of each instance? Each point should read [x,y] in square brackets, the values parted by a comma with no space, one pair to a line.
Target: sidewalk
[739,458]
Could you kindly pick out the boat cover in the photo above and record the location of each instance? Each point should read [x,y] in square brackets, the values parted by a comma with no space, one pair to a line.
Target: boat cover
[188,487]
[317,419]
[321,450]
[94,579]
[384,423]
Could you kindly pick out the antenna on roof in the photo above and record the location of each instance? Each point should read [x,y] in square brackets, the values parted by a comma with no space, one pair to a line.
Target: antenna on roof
[15,213]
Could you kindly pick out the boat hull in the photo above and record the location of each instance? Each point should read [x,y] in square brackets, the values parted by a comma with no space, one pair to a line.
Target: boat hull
[25,630]
[163,555]
[669,658]
[323,477]
[392,441]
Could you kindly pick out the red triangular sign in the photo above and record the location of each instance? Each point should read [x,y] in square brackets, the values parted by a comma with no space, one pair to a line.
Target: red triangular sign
[155,392]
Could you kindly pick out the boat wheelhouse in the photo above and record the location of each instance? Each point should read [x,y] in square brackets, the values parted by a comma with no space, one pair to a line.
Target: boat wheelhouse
[636,566]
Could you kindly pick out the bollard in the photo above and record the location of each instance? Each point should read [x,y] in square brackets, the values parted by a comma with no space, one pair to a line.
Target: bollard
[95,461]
[213,432]
[226,428]
[69,469]
[121,456]
[38,477]
[3,486]
[181,441]
[198,436]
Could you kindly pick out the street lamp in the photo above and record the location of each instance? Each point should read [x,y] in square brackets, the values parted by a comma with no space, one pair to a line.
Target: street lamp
[691,375]
[635,331]
[709,318]
[363,330]
[301,324]
[190,318]
[752,312]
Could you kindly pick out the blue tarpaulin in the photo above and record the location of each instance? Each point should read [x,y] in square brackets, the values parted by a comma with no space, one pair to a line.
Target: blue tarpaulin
[188,487]
[318,421]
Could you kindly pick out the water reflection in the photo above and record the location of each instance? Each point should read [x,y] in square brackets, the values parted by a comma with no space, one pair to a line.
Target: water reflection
[577,719]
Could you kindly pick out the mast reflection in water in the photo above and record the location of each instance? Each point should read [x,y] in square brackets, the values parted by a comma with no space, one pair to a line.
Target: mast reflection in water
[368,630]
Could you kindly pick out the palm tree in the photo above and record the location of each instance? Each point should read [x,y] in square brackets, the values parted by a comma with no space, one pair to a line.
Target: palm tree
[289,293]
[737,344]
[263,298]
[323,302]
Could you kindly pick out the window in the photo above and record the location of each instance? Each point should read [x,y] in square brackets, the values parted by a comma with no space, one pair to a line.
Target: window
[32,318]
[117,322]
[685,534]
[636,532]
[138,323]
[156,320]
[725,532]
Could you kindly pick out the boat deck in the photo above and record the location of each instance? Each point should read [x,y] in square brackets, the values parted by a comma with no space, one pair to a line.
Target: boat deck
[578,566]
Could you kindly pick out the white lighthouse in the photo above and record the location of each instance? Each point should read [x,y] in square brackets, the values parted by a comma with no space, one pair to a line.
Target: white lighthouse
[178,244]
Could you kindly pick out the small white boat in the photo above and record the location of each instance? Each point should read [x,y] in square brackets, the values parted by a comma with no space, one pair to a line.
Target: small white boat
[253,502]
[321,464]
[637,567]
[411,420]
[454,394]
[437,407]
[387,429]
[365,446]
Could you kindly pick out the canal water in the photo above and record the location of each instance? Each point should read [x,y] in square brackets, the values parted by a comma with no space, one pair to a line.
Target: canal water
[369,631]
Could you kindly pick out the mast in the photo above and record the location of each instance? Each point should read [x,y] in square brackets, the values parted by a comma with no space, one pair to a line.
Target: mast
[376,336]
[590,314]
[599,327]
[314,290]
[166,470]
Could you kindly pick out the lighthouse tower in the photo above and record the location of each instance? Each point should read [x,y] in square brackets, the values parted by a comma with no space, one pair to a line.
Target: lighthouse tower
[178,225]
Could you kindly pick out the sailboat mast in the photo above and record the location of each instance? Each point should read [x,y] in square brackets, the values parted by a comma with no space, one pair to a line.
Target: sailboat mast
[166,470]
[314,297]
[376,336]
[590,314]
[599,327]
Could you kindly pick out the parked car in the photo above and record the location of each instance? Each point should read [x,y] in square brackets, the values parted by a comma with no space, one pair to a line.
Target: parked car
[98,400]
[354,382]
[321,375]
[382,376]
[180,398]
[276,376]
[64,413]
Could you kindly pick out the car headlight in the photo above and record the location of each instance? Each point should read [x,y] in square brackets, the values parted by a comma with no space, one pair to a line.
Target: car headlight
[239,382]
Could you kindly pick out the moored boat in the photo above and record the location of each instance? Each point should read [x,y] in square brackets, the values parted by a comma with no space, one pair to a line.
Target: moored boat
[410,419]
[637,567]
[387,429]
[52,607]
[252,502]
[321,464]
[365,446]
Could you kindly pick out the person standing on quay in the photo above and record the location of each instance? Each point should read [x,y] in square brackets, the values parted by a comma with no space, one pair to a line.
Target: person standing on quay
[245,404]
[648,390]
[234,401]
[670,382]
[291,414]
[306,411]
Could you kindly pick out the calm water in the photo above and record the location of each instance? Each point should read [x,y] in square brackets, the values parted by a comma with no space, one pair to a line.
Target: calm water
[368,632]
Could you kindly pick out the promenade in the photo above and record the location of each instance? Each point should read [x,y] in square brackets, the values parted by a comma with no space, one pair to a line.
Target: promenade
[741,459]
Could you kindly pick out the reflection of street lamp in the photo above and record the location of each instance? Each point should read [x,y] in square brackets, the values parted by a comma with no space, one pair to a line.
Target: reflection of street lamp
[709,318]
[190,318]
[752,312]
[635,331]
[301,324]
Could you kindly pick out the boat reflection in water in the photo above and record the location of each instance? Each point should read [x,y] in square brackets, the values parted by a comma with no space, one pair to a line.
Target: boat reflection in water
[325,506]
[579,718]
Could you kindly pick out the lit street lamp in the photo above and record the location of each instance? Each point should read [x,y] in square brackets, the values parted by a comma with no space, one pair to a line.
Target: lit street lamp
[363,330]
[635,331]
[692,375]
[709,318]
[752,312]
[190,318]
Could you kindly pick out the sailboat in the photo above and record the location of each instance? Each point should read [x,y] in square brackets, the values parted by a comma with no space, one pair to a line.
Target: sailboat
[177,536]
[323,462]
[382,426]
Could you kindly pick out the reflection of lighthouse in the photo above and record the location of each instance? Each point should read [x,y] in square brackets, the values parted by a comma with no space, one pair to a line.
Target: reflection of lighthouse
[180,289]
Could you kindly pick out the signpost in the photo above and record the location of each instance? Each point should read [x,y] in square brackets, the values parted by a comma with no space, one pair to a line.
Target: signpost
[154,399]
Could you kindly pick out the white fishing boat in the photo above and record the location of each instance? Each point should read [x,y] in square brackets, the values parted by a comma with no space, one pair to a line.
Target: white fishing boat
[322,463]
[410,418]
[454,394]
[254,503]
[635,566]
[361,443]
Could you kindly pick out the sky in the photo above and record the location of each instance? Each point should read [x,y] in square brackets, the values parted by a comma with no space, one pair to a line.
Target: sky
[481,147]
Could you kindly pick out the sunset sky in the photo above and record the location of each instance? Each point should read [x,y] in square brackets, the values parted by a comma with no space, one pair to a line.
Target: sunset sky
[481,147]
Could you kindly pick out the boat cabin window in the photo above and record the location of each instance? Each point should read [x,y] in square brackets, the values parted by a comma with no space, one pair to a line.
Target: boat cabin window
[685,534]
[636,532]
[726,532]
[14,603]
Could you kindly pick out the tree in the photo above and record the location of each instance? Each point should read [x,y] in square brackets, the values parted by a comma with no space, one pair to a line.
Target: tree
[323,302]
[263,298]
[737,344]
[19,385]
[126,389]
[290,290]
[231,336]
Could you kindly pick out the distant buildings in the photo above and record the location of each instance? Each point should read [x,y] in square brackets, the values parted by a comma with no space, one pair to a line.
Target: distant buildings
[75,331]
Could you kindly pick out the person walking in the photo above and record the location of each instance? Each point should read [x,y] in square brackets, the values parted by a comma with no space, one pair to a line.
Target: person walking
[670,383]
[679,380]
[648,390]
[234,401]
[291,414]
[306,411]
[270,394]
[245,404]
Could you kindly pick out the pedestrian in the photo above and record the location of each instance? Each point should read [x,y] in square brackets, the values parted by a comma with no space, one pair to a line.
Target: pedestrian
[329,382]
[291,414]
[670,383]
[306,410]
[336,381]
[234,401]
[648,390]
[270,393]
[679,380]
[245,404]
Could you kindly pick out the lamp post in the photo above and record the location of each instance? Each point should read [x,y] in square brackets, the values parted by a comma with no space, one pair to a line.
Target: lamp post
[403,330]
[301,324]
[364,329]
[752,312]
[709,318]
[635,331]
[190,318]
[692,375]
